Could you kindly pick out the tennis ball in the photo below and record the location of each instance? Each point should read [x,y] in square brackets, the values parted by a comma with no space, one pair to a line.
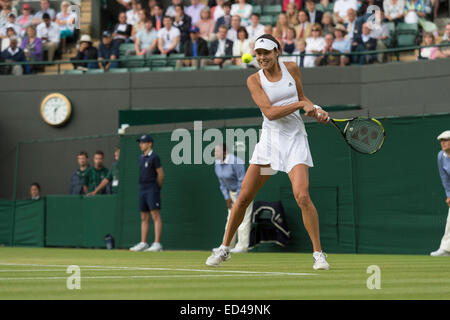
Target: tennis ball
[246,57]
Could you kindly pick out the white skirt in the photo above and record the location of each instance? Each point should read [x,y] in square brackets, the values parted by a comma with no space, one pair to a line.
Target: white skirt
[282,152]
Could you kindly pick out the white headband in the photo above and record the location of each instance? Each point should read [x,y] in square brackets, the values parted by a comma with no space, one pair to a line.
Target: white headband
[265,44]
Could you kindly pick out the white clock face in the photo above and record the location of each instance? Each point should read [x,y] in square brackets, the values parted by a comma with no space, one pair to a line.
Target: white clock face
[55,110]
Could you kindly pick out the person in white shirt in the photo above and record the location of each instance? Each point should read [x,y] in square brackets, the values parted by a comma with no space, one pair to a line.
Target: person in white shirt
[49,33]
[314,44]
[45,8]
[10,32]
[241,46]
[171,9]
[351,16]
[133,13]
[11,24]
[255,29]
[341,8]
[168,37]
[242,9]
[217,10]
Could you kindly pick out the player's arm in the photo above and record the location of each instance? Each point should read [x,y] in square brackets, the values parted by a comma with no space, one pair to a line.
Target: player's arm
[160,178]
[295,73]
[263,102]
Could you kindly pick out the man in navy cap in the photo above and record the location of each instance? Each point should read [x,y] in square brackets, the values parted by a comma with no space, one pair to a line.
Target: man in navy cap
[151,177]
[108,50]
[196,46]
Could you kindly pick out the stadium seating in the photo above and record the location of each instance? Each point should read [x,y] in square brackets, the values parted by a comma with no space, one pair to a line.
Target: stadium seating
[186,68]
[173,62]
[143,69]
[232,67]
[156,60]
[118,70]
[267,19]
[215,67]
[257,9]
[133,62]
[124,47]
[272,9]
[168,68]
[406,34]
[73,72]
[94,71]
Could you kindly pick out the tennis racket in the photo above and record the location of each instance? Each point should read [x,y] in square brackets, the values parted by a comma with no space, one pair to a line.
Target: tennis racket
[364,135]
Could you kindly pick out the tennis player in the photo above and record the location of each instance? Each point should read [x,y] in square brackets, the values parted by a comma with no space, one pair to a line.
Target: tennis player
[277,90]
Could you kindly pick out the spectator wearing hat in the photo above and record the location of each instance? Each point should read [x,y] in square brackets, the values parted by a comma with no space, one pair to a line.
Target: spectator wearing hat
[196,46]
[45,8]
[11,22]
[108,50]
[183,22]
[146,41]
[7,9]
[444,172]
[13,54]
[86,51]
[168,37]
[26,18]
[48,31]
[151,178]
[206,24]
[342,44]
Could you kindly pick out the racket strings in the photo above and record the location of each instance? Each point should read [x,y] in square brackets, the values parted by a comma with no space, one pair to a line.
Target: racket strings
[365,135]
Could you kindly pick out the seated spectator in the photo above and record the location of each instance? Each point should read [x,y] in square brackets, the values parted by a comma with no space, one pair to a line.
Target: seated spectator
[133,13]
[328,60]
[364,42]
[77,178]
[381,33]
[255,29]
[11,22]
[157,15]
[66,22]
[241,46]
[146,41]
[108,50]
[445,51]
[95,174]
[342,44]
[206,24]
[288,45]
[171,9]
[303,29]
[194,11]
[4,14]
[394,10]
[414,9]
[297,3]
[327,23]
[429,53]
[151,7]
[13,54]
[26,18]
[217,10]
[35,191]
[300,51]
[222,46]
[86,51]
[225,19]
[351,24]
[314,16]
[195,47]
[314,44]
[340,10]
[140,24]
[242,9]
[45,8]
[32,47]
[10,32]
[168,38]
[280,30]
[235,25]
[122,30]
[48,31]
[183,23]
[292,14]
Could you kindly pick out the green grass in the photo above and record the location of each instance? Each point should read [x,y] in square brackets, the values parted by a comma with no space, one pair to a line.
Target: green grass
[40,273]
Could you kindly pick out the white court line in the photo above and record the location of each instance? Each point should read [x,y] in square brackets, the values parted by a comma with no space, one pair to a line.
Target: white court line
[166,269]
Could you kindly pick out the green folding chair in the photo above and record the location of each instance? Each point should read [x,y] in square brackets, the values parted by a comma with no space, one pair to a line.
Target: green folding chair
[173,62]
[163,69]
[94,71]
[133,62]
[267,19]
[143,69]
[272,9]
[210,68]
[118,70]
[186,68]
[156,60]
[73,72]
[124,47]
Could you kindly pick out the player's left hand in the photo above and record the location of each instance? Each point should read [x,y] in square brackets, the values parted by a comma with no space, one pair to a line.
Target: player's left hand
[321,116]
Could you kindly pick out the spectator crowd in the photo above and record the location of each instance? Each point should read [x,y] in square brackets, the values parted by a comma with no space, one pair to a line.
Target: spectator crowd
[221,29]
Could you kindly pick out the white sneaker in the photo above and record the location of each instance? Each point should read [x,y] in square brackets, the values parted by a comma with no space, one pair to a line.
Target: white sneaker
[141,246]
[156,246]
[320,261]
[238,250]
[217,257]
[440,253]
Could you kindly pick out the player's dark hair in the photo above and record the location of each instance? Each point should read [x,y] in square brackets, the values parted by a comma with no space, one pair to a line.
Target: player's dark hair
[270,37]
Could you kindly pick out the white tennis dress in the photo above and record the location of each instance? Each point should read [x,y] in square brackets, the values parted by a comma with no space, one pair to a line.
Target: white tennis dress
[283,142]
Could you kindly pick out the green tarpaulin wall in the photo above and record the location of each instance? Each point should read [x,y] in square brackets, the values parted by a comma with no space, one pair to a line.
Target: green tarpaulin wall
[391,202]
